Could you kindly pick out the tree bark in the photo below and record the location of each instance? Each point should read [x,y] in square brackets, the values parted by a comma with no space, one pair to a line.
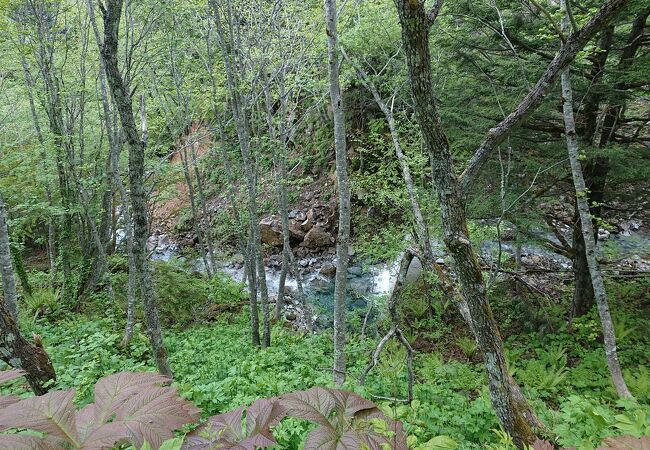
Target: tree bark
[18,353]
[115,149]
[239,105]
[343,238]
[512,410]
[51,226]
[111,13]
[6,267]
[588,233]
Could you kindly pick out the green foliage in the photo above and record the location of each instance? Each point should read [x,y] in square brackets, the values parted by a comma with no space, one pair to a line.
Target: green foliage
[223,289]
[583,422]
[638,382]
[547,373]
[43,302]
[468,346]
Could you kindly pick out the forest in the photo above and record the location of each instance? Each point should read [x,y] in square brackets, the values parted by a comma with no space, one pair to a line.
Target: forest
[324,225]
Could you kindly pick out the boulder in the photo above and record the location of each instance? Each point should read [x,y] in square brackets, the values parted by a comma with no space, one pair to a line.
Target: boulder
[318,238]
[308,222]
[328,269]
[296,233]
[271,231]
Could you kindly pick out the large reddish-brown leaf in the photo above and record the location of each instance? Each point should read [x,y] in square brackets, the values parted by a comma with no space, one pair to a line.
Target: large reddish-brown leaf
[315,405]
[148,415]
[52,414]
[626,443]
[22,442]
[350,427]
[322,438]
[6,400]
[540,444]
[112,391]
[224,431]
[348,403]
[264,414]
[8,375]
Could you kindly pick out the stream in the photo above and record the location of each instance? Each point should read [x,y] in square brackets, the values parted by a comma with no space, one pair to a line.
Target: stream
[372,281]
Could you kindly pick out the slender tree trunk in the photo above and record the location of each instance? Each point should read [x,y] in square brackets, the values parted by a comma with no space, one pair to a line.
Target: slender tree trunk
[45,35]
[342,242]
[6,267]
[19,267]
[195,219]
[18,353]
[51,226]
[588,233]
[115,149]
[112,12]
[205,224]
[513,411]
[240,111]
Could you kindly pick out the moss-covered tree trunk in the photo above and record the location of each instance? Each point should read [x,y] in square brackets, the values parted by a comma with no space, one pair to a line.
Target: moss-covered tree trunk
[18,353]
[512,410]
[112,12]
[6,266]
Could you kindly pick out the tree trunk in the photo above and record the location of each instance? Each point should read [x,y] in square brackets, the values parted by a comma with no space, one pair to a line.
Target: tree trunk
[112,12]
[115,149]
[18,353]
[512,410]
[588,234]
[205,224]
[51,226]
[195,219]
[343,238]
[239,105]
[6,267]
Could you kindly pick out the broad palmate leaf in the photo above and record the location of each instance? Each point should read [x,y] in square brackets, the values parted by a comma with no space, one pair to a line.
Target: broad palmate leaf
[626,443]
[346,422]
[224,431]
[129,408]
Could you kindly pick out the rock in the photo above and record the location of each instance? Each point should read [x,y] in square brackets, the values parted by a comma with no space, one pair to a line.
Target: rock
[238,258]
[328,269]
[317,238]
[296,233]
[440,261]
[307,223]
[271,231]
[163,240]
[355,270]
[290,316]
[351,250]
[152,243]
[603,234]
[536,259]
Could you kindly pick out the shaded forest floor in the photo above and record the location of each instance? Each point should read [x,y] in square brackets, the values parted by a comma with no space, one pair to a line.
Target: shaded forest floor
[563,372]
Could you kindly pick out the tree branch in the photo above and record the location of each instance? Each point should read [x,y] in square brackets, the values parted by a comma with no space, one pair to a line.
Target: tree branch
[533,99]
[434,11]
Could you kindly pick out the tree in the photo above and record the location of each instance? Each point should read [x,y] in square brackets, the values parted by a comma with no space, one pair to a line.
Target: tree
[416,21]
[111,13]
[6,267]
[340,146]
[587,229]
[230,35]
[18,353]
